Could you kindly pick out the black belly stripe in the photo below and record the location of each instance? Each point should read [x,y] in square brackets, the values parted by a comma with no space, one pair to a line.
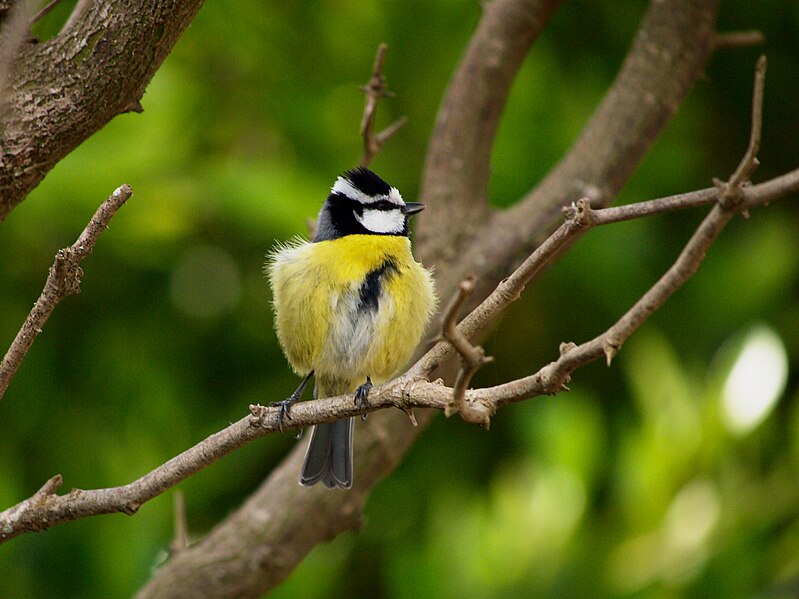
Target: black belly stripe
[372,286]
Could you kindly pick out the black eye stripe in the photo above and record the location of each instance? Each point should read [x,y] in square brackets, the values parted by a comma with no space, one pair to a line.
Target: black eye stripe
[359,207]
[382,205]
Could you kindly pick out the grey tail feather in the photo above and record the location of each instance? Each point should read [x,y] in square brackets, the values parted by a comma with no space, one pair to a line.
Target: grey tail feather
[329,455]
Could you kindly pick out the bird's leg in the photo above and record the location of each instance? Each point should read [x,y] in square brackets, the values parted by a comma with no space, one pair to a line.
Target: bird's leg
[286,404]
[362,395]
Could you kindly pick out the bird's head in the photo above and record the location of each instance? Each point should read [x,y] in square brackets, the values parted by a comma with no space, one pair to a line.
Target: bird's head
[361,203]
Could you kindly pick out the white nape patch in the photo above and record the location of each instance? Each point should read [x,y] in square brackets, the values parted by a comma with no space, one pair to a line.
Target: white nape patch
[346,188]
[382,221]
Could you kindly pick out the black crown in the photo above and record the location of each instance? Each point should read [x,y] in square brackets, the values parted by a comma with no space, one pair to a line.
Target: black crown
[367,181]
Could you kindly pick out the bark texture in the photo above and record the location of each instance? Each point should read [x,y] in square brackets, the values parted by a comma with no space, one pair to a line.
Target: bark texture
[64,90]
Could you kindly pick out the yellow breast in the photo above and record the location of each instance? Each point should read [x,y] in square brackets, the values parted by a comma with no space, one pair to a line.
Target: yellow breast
[351,307]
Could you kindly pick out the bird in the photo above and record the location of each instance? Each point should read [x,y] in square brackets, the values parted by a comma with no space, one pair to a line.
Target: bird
[350,306]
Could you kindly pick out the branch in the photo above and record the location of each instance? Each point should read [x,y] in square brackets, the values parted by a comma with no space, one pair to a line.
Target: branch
[375,90]
[738,39]
[455,181]
[669,53]
[732,197]
[580,217]
[64,279]
[553,377]
[411,390]
[43,12]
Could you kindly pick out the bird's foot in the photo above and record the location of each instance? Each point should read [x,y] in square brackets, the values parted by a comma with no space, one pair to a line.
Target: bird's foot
[362,395]
[284,407]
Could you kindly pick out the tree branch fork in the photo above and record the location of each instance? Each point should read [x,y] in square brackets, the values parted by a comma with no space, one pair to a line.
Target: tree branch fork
[412,390]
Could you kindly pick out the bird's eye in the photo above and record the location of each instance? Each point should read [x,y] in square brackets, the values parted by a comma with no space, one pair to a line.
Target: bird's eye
[384,205]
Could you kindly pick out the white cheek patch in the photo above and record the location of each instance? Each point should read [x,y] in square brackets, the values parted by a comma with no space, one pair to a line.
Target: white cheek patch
[382,221]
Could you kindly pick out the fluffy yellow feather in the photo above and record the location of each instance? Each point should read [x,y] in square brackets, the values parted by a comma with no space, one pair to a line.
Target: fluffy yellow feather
[316,289]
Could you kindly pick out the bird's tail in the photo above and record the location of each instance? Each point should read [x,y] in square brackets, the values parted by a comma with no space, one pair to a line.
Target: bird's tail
[329,455]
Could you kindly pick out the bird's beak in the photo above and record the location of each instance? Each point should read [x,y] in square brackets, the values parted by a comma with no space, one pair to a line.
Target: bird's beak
[412,208]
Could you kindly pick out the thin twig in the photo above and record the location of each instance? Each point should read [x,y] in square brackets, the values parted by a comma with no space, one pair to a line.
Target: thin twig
[738,39]
[749,161]
[180,541]
[472,357]
[375,90]
[64,279]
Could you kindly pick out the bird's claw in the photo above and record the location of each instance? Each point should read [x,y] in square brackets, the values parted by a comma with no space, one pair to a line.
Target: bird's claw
[283,408]
[362,395]
[285,405]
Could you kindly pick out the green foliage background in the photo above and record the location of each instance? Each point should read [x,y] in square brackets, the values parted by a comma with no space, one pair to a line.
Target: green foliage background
[628,486]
